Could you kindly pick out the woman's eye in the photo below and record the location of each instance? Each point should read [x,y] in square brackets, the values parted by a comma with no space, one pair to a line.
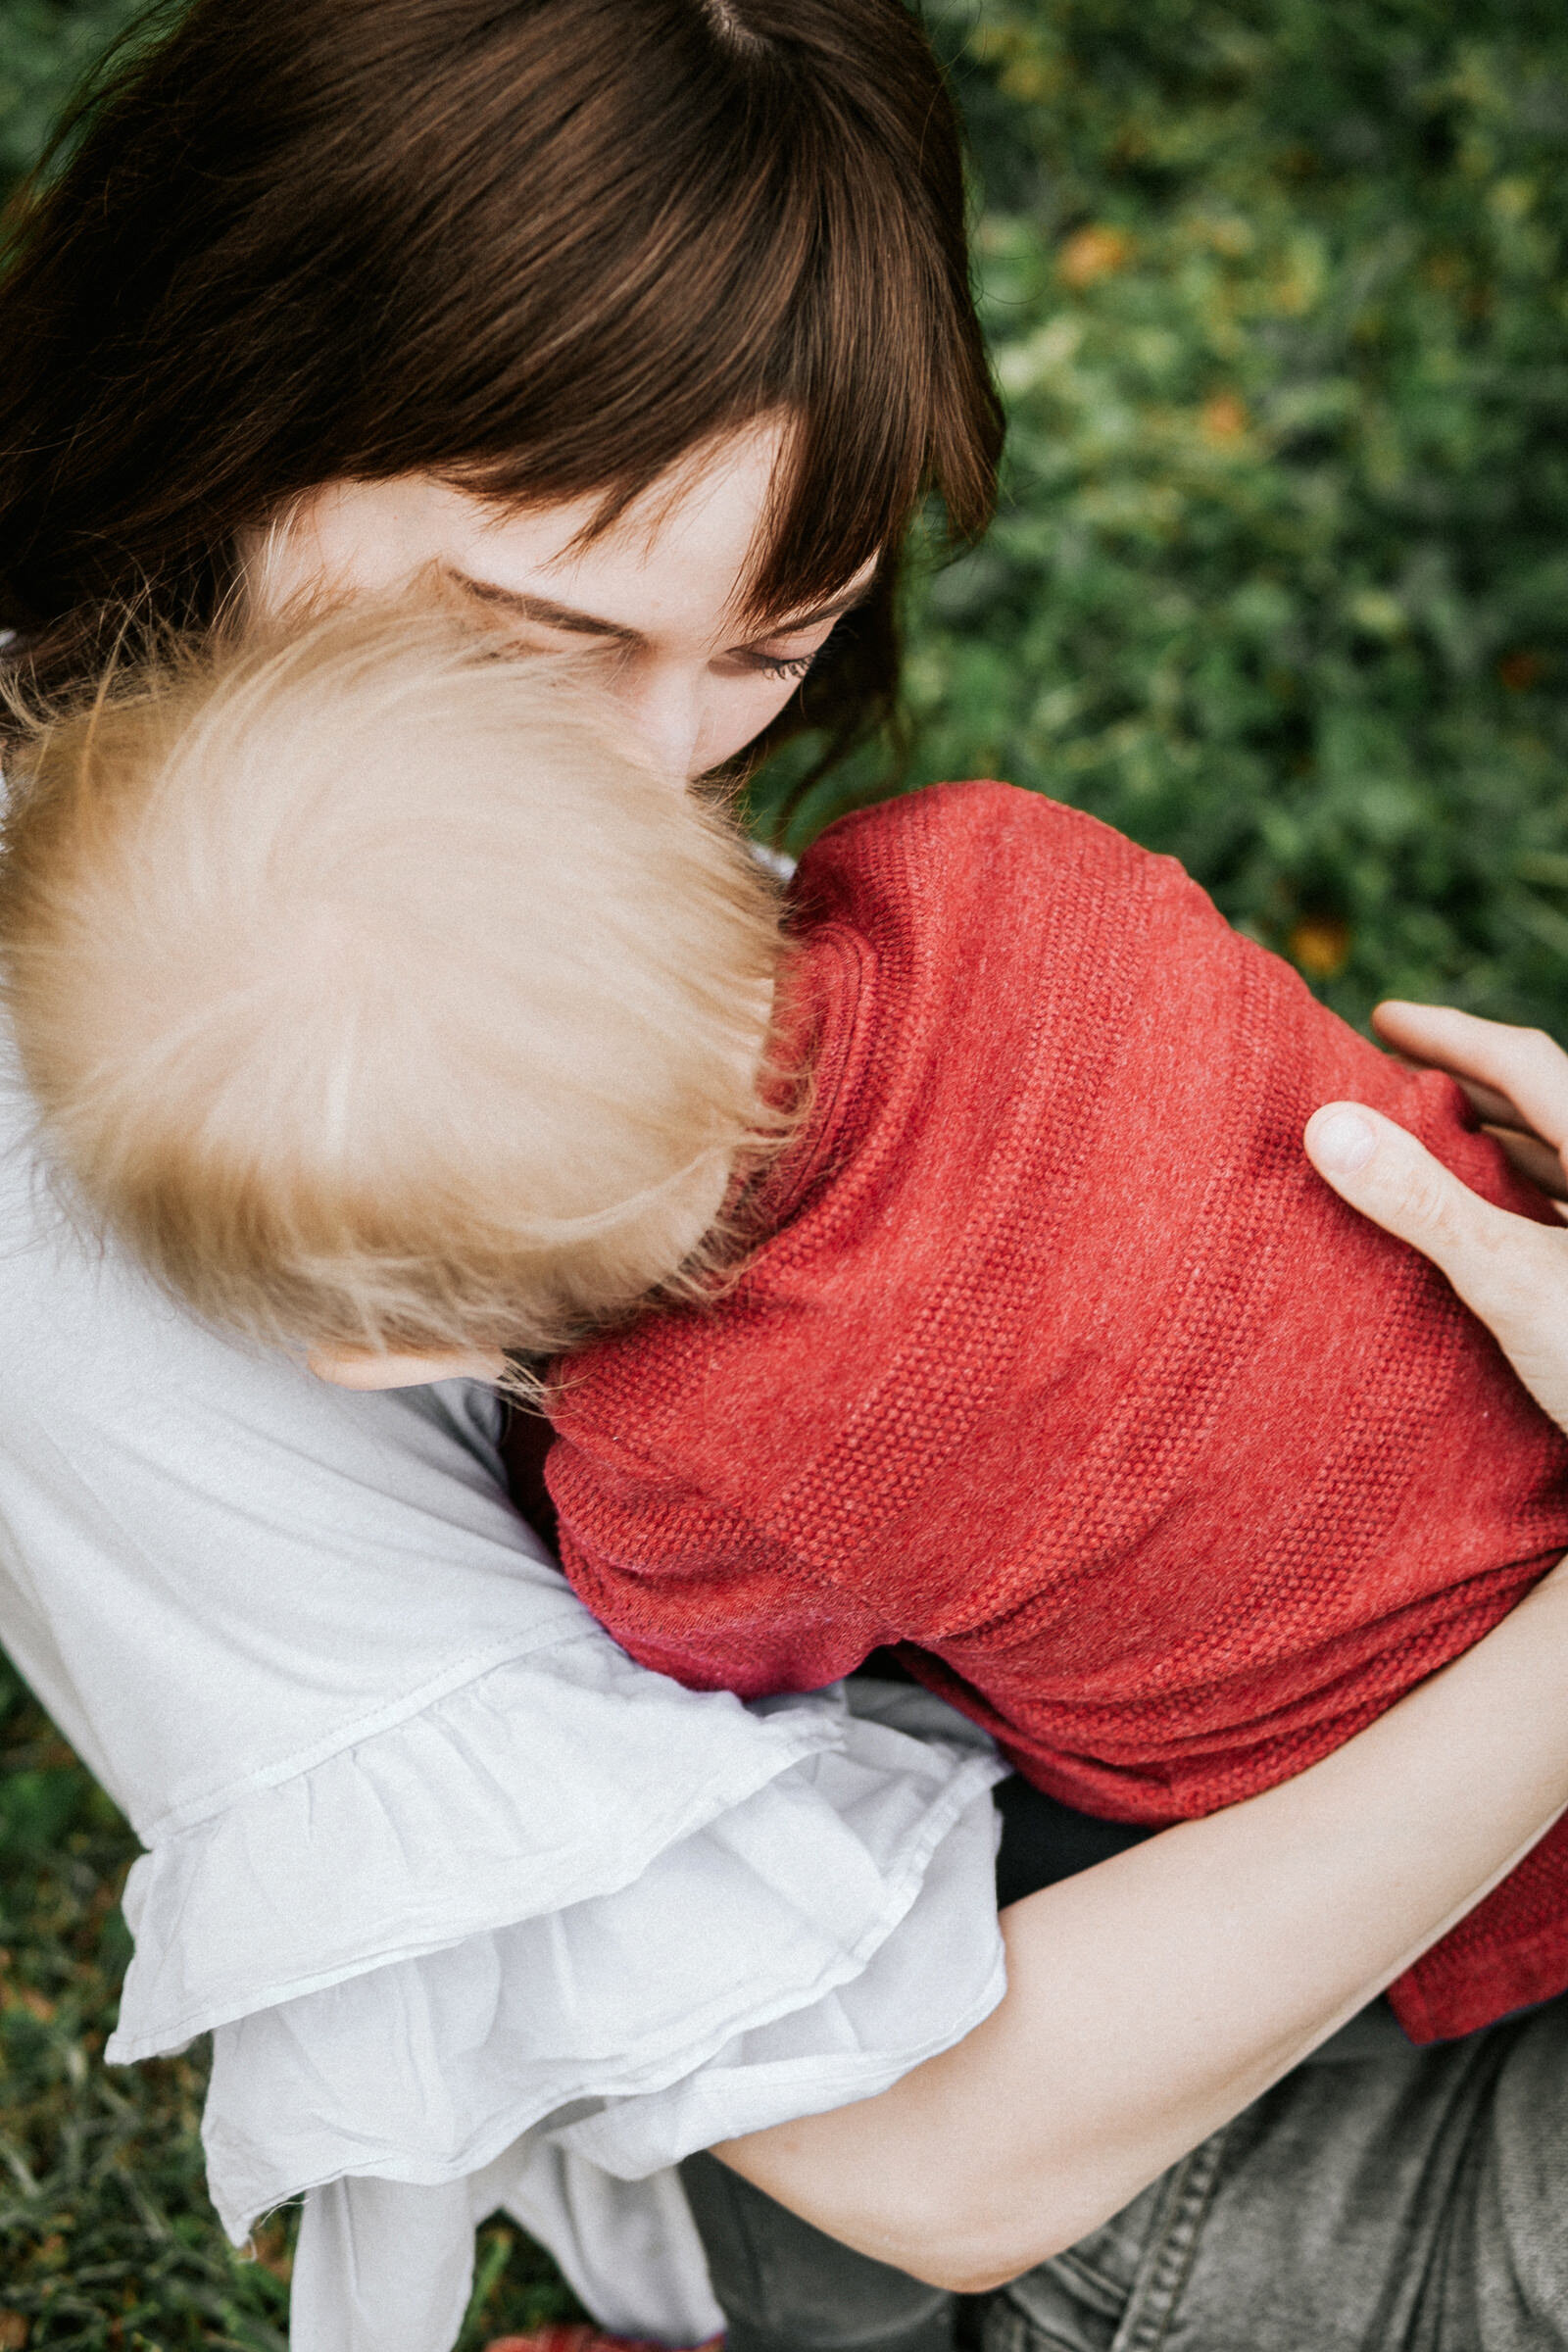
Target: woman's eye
[795,667]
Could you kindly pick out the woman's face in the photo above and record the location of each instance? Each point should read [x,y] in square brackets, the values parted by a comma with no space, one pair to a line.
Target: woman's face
[659,592]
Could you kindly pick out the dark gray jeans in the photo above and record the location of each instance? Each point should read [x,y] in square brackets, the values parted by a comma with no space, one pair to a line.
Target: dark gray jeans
[1380,2199]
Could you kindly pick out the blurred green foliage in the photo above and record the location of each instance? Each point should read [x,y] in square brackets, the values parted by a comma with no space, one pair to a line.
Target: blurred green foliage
[46,46]
[1279,584]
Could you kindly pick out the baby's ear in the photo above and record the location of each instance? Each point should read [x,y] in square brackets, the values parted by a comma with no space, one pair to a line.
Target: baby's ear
[352,1370]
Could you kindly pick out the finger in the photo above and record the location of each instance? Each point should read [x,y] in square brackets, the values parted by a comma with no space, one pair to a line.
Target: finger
[1495,1109]
[1524,1067]
[1485,1101]
[1393,1019]
[1513,1272]
[1535,1161]
[1503,1121]
[1390,1178]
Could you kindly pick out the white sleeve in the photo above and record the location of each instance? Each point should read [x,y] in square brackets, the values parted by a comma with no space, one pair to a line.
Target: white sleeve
[383,2268]
[401,1796]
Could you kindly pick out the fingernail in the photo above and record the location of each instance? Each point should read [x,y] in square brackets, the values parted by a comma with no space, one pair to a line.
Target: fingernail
[1342,1140]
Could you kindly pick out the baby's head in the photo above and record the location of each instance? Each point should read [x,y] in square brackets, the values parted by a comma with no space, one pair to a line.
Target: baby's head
[373,992]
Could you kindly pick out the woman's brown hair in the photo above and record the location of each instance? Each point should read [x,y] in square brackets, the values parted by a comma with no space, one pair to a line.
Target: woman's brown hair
[542,248]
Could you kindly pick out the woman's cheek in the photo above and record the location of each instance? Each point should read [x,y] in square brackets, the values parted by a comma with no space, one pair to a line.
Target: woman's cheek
[737,714]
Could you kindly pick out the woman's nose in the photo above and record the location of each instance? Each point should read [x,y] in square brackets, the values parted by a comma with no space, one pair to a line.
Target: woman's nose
[664,702]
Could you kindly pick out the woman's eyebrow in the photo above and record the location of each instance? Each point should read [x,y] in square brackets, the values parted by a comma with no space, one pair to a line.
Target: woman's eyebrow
[542,610]
[545,613]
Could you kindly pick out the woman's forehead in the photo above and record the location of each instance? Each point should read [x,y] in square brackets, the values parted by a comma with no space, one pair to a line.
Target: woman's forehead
[675,561]
[673,567]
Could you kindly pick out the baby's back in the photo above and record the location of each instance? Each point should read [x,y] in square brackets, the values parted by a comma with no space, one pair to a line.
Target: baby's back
[1064,1366]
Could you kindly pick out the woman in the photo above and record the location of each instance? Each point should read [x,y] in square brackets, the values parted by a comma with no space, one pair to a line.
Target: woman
[647,323]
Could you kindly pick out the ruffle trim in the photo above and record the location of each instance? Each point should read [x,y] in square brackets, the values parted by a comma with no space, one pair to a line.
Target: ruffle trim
[545,1783]
[748,1975]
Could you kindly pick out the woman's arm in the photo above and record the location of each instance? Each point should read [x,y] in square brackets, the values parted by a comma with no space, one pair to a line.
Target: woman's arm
[1152,1997]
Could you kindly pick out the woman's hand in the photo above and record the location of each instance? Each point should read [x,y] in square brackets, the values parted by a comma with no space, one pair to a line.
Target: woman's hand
[1487,1059]
[1509,1271]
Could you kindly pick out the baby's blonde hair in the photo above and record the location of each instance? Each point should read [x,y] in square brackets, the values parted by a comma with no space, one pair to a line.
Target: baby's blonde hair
[378,996]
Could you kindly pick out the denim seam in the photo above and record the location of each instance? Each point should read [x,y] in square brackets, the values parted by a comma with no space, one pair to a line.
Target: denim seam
[1029,2335]
[1090,2283]
[1167,2263]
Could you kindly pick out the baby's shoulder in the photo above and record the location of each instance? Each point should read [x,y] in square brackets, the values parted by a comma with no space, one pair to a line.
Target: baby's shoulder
[983,850]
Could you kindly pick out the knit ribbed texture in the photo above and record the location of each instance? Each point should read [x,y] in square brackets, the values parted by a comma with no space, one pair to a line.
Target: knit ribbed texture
[1064,1368]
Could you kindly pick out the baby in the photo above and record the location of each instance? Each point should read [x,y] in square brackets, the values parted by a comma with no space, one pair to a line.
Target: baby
[929,1259]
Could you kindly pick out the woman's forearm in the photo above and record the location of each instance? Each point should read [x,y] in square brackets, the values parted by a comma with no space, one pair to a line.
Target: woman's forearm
[1152,1998]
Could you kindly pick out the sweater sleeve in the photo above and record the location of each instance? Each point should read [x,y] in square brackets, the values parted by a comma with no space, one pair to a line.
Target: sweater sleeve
[692,1589]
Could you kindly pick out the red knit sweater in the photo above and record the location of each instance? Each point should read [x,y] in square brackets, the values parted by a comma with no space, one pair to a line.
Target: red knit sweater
[1062,1367]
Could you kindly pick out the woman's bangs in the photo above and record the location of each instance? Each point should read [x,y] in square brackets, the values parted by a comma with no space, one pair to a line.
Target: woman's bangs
[547,252]
[857,368]
[774,269]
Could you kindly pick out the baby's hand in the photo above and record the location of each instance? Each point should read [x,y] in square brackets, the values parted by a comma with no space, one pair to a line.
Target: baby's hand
[1508,1270]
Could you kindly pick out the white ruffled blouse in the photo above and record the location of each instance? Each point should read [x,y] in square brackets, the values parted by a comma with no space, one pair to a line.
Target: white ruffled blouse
[478,1912]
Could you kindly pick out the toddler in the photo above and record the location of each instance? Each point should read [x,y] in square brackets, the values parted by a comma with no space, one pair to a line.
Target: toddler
[927,1259]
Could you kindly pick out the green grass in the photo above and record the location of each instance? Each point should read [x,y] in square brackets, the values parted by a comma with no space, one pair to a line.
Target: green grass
[1277,293]
[105,2236]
